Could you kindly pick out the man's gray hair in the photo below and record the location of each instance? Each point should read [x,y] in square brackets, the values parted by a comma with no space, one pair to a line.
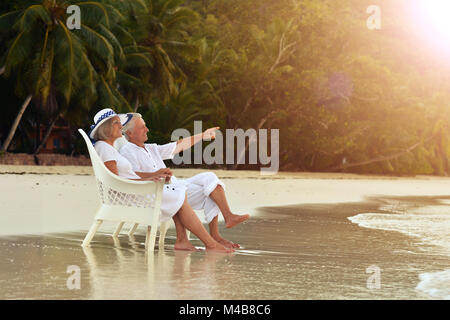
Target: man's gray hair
[129,126]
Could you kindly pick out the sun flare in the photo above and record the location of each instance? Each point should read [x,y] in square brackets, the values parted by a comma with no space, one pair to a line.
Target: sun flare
[435,16]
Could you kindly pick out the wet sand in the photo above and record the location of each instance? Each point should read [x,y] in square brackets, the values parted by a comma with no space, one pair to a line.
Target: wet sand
[298,244]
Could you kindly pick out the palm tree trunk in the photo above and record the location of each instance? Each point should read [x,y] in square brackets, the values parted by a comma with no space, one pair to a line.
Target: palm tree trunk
[15,124]
[136,104]
[46,135]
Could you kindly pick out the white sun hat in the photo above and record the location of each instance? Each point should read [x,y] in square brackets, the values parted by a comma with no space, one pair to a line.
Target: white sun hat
[125,118]
[100,118]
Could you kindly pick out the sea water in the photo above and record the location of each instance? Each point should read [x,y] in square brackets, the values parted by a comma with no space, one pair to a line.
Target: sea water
[428,224]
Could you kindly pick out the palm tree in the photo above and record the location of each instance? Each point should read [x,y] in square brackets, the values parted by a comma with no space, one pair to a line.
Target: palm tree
[53,65]
[179,112]
[152,65]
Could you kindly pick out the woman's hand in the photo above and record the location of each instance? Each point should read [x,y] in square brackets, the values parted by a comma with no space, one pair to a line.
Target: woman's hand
[210,133]
[161,174]
[157,177]
[165,171]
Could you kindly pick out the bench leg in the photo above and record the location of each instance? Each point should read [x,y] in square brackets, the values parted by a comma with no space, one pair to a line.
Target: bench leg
[162,233]
[119,227]
[133,229]
[91,232]
[147,238]
[151,232]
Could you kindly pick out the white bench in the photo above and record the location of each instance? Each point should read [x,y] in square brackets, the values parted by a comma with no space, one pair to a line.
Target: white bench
[123,200]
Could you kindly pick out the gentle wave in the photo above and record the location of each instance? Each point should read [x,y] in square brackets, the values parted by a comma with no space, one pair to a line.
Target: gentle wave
[430,225]
[435,284]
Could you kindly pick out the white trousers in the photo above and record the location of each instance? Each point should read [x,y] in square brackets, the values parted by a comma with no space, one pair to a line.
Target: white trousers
[197,188]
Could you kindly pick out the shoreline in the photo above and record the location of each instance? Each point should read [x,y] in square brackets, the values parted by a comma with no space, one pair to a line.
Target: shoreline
[221,173]
[51,192]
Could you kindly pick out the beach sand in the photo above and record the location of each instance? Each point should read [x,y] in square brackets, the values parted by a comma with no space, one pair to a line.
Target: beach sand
[310,236]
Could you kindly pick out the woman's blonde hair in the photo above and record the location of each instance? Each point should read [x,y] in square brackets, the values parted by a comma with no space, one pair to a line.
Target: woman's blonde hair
[104,131]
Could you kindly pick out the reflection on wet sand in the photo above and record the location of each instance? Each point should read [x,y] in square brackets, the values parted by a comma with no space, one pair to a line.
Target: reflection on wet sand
[297,252]
[36,267]
[166,274]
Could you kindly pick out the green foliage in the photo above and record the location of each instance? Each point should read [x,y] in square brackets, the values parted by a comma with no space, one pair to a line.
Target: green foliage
[344,97]
[181,112]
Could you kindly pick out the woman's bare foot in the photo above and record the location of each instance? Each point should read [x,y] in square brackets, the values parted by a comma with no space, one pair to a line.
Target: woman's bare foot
[235,219]
[185,246]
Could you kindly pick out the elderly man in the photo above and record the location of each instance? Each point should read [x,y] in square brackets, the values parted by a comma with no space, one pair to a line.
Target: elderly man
[204,191]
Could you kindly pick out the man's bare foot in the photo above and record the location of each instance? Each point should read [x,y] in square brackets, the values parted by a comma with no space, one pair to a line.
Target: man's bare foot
[185,246]
[226,243]
[219,248]
[235,219]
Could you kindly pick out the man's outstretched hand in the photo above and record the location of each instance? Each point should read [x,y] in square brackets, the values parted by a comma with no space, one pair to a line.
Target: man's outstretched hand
[188,142]
[210,133]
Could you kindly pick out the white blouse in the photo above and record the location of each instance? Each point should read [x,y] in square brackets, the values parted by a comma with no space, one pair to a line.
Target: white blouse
[108,153]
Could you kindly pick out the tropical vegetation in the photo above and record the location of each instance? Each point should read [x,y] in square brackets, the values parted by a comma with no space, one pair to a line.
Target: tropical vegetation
[344,97]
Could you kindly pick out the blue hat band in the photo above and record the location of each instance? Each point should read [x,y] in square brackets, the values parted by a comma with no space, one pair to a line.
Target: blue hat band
[129,116]
[103,116]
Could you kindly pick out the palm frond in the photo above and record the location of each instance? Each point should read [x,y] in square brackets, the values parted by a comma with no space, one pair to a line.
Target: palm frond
[86,74]
[44,83]
[128,80]
[94,13]
[136,49]
[167,6]
[118,51]
[128,7]
[186,50]
[98,44]
[123,35]
[136,60]
[19,51]
[64,58]
[33,15]
[180,15]
[106,97]
[115,15]
[8,19]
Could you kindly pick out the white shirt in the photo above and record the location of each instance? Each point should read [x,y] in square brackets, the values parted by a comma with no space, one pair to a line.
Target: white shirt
[196,188]
[149,159]
[108,153]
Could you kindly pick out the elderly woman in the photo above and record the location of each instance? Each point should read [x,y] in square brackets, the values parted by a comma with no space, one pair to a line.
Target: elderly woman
[106,129]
